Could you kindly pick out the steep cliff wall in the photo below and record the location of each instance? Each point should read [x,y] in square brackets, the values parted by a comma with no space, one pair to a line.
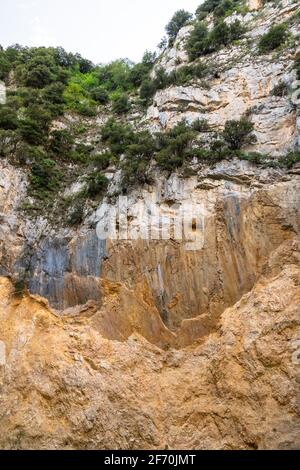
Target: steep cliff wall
[140,342]
[64,386]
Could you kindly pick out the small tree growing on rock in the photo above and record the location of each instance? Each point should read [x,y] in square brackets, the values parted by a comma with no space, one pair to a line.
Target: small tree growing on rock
[177,22]
[236,134]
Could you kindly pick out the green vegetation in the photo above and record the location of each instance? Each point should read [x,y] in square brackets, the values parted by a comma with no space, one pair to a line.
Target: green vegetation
[236,134]
[121,104]
[290,159]
[280,90]
[171,150]
[179,19]
[50,82]
[273,39]
[178,77]
[175,146]
[219,8]
[202,42]
[96,183]
[297,66]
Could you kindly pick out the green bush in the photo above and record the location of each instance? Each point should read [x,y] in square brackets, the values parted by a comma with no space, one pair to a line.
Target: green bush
[140,72]
[53,94]
[179,77]
[100,95]
[82,153]
[103,160]
[179,19]
[219,8]
[121,105]
[201,125]
[143,145]
[253,157]
[8,118]
[117,136]
[76,215]
[281,89]
[44,175]
[274,38]
[197,43]
[290,159]
[202,42]
[32,132]
[8,142]
[135,170]
[5,66]
[35,125]
[61,143]
[175,146]
[147,90]
[207,7]
[96,183]
[236,134]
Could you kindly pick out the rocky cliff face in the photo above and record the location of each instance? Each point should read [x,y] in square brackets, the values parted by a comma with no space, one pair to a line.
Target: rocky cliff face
[148,343]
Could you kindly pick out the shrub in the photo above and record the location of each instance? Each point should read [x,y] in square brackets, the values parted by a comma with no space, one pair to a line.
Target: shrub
[117,136]
[102,160]
[290,159]
[52,98]
[32,131]
[147,90]
[100,95]
[8,142]
[197,43]
[201,125]
[61,143]
[281,89]
[76,214]
[82,153]
[161,80]
[143,145]
[178,20]
[44,175]
[96,183]
[220,35]
[121,105]
[135,170]
[274,38]
[140,72]
[236,30]
[297,66]
[175,146]
[28,154]
[207,7]
[5,66]
[236,134]
[8,118]
[201,41]
[35,125]
[253,157]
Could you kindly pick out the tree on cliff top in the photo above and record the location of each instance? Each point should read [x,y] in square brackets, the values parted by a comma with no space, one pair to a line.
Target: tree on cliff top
[176,23]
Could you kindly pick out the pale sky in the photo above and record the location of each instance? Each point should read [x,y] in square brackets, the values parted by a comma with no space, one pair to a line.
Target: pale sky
[100,30]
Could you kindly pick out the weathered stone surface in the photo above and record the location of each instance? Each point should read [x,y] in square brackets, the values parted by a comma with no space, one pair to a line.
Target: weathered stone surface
[152,343]
[245,81]
[64,386]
